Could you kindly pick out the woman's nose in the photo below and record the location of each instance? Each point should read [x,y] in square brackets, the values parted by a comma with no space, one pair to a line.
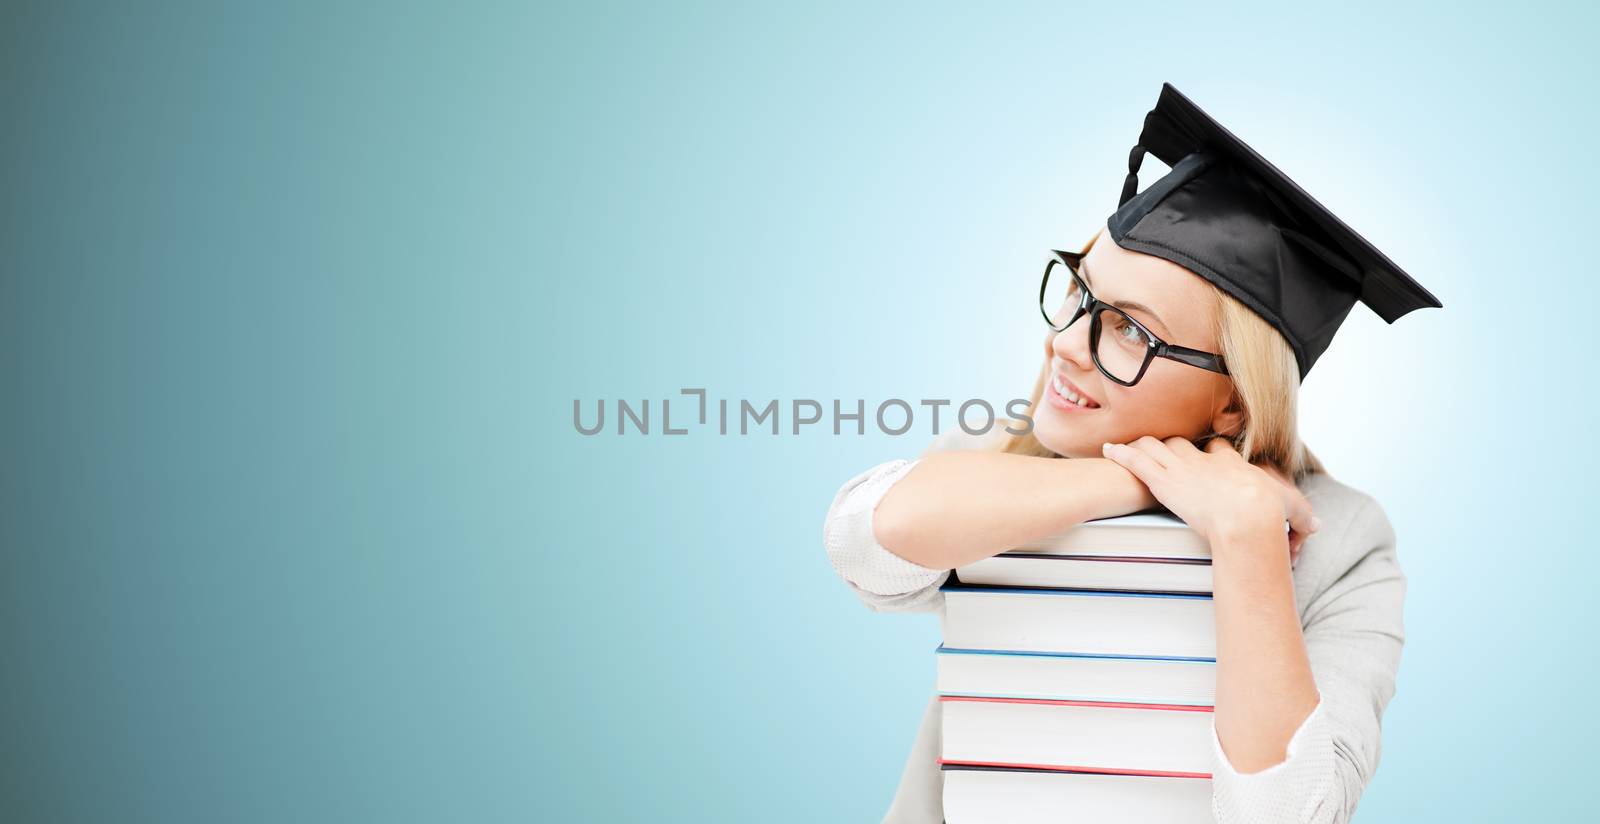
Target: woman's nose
[1072,343]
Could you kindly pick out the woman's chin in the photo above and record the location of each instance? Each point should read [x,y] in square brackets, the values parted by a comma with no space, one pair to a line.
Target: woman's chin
[1060,437]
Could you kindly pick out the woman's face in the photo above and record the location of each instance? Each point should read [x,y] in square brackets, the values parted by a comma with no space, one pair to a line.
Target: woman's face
[1172,398]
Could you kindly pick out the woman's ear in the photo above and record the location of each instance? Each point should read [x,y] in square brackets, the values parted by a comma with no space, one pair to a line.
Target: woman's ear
[1229,421]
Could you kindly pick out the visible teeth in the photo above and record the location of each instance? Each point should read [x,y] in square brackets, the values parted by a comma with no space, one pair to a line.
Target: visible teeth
[1069,394]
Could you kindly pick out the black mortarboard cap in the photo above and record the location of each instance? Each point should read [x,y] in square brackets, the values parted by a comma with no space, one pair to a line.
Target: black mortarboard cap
[1228,215]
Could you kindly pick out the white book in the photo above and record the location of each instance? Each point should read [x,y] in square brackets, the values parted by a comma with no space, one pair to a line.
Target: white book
[1081,621]
[1071,676]
[983,795]
[1125,572]
[1155,533]
[1151,739]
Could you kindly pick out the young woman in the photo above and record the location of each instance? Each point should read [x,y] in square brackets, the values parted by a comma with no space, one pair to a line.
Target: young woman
[1309,627]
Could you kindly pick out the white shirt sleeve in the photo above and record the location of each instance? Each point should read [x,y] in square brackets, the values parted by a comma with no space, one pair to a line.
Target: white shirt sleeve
[1283,792]
[884,581]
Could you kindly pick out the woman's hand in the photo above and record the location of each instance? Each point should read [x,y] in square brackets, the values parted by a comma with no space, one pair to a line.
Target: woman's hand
[1293,501]
[1216,491]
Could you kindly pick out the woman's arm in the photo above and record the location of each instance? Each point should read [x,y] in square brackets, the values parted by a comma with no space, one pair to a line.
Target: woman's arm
[953,508]
[1265,689]
[1352,642]
[887,582]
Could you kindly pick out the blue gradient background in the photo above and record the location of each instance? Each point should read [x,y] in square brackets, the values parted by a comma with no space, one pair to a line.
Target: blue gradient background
[296,301]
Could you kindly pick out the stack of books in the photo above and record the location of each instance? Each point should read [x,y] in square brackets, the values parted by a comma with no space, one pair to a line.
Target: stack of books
[1077,677]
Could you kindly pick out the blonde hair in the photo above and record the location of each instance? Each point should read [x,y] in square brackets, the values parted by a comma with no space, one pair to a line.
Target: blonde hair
[1266,385]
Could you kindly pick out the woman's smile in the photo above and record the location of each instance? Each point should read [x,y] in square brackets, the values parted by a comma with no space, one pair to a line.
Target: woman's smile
[1064,395]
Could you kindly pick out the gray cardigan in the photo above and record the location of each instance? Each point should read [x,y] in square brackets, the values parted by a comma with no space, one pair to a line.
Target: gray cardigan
[1349,590]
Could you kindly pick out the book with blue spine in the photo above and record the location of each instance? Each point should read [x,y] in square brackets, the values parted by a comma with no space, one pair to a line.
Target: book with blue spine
[1034,619]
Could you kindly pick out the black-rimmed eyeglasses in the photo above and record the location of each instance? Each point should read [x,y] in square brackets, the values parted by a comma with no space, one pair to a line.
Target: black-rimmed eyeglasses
[1125,354]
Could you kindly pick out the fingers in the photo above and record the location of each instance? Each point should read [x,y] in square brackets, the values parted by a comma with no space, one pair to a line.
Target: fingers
[1180,445]
[1135,460]
[1296,507]
[1298,510]
[1156,448]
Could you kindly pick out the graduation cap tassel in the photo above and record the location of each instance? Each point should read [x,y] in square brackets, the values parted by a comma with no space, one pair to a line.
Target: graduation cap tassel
[1131,183]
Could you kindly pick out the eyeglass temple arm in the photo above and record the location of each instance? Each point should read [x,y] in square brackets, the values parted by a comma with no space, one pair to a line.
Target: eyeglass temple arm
[1193,357]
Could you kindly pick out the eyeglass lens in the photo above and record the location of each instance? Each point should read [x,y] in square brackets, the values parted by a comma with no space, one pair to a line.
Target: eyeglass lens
[1122,345]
